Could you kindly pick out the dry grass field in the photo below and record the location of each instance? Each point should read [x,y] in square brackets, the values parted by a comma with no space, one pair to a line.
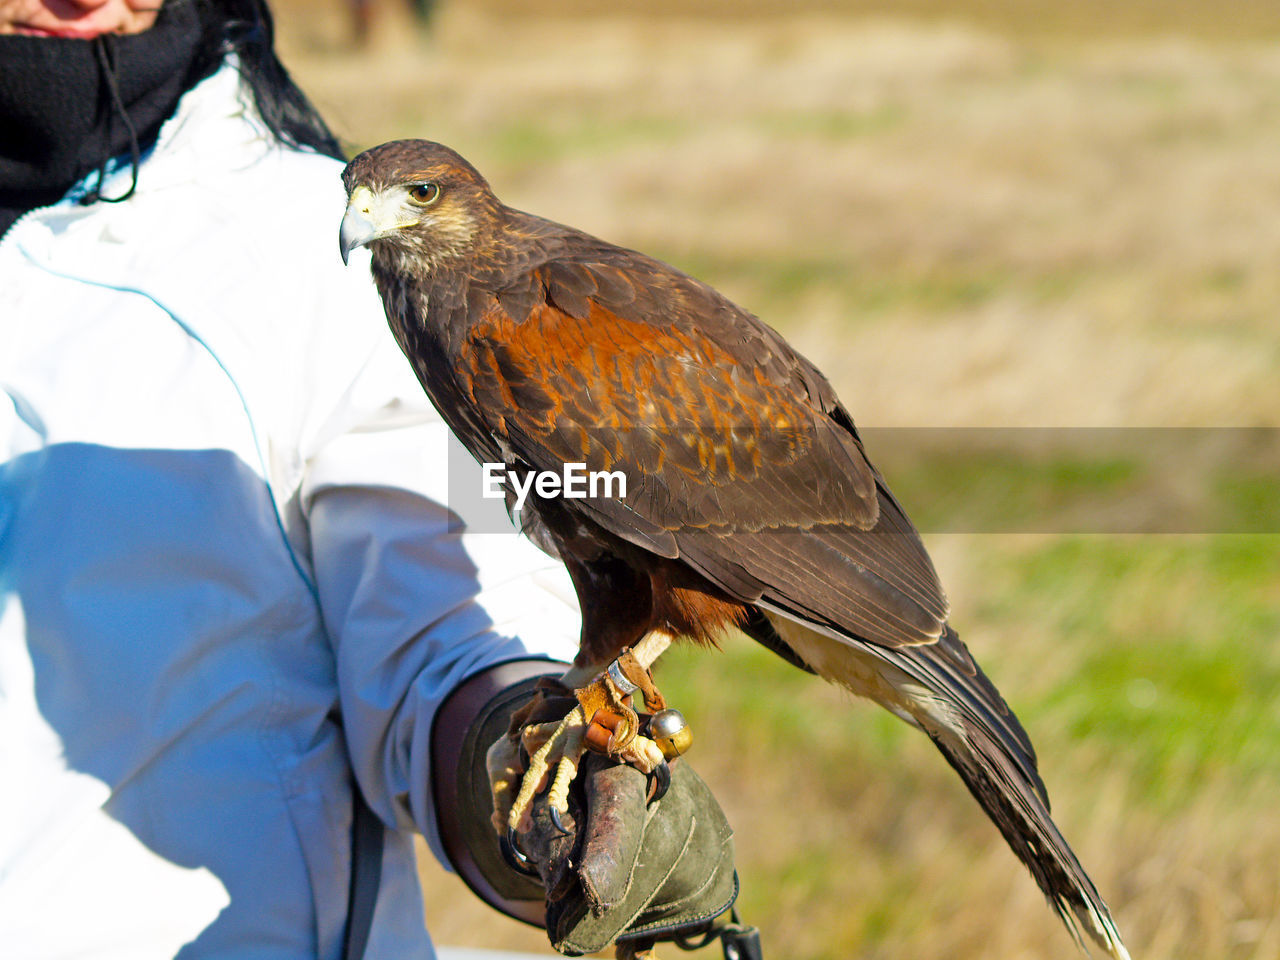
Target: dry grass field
[970,214]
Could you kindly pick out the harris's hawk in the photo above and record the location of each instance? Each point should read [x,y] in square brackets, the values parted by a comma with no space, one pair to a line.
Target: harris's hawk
[750,501]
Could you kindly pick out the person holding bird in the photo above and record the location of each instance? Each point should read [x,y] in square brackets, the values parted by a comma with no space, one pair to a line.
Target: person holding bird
[247,649]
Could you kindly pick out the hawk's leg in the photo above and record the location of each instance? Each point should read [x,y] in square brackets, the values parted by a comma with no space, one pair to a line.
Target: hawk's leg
[558,746]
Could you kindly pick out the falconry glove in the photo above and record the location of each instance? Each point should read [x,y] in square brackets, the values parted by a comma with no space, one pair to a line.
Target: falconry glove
[628,870]
[618,869]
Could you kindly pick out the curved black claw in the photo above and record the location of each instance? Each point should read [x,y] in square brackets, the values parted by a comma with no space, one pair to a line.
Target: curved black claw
[509,844]
[557,822]
[660,781]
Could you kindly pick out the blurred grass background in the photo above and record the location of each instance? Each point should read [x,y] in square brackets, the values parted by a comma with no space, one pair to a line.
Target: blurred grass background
[979,213]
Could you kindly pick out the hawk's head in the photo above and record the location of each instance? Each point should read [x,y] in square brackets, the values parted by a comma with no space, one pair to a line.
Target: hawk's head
[418,198]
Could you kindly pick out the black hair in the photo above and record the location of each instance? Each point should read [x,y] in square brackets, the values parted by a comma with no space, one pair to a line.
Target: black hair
[246,28]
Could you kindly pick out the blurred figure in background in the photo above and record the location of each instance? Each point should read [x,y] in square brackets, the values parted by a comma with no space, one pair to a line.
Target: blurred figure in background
[365,12]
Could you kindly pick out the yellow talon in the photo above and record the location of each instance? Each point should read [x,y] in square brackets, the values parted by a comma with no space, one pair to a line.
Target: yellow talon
[602,720]
[539,763]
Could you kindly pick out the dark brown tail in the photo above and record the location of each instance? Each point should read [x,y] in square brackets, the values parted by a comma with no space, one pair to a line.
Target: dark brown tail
[964,714]
[1016,808]
[940,689]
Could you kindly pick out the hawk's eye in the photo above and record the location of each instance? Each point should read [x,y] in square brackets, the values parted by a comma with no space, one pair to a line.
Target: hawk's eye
[424,193]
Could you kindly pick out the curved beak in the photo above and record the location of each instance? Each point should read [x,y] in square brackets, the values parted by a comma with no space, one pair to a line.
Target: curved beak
[358,227]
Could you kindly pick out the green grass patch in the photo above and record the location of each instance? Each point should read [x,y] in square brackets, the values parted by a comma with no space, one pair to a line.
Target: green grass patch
[1166,657]
[1250,500]
[1000,489]
[1084,480]
[833,125]
[577,132]
[770,286]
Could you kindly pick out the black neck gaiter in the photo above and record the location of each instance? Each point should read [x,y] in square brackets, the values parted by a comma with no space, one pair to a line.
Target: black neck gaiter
[67,106]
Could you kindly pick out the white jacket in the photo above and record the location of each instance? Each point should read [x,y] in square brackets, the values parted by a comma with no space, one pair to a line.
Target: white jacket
[222,525]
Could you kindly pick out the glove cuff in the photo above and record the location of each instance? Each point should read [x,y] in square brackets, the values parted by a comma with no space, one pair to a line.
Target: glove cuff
[475,715]
[703,920]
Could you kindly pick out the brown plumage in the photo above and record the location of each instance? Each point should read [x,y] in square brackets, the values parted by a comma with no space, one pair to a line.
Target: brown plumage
[750,503]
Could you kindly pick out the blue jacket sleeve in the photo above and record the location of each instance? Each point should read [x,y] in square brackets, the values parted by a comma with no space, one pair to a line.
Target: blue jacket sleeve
[414,599]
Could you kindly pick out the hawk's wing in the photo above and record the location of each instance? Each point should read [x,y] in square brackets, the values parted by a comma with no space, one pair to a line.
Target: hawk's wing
[737,455]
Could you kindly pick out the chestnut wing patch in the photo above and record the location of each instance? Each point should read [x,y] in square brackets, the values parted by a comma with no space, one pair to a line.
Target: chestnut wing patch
[736,457]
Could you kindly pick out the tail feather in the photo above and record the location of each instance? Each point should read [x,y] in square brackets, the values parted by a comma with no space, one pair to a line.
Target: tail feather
[941,690]
[967,719]
[1014,805]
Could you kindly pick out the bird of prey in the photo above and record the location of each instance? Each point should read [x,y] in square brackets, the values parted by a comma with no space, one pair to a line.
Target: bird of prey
[750,501]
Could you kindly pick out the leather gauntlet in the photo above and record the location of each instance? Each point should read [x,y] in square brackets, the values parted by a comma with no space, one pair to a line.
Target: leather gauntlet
[625,871]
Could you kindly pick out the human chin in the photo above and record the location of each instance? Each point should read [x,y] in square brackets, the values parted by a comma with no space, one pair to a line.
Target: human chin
[38,20]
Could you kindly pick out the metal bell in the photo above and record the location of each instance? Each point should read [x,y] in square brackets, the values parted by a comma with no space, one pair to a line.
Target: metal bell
[670,731]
